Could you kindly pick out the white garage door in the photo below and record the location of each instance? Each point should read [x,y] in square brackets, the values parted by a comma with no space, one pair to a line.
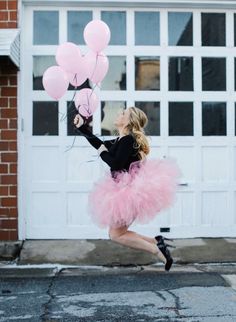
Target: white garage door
[178,65]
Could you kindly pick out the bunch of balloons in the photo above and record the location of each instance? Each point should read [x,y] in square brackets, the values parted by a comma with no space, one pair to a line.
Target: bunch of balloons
[75,68]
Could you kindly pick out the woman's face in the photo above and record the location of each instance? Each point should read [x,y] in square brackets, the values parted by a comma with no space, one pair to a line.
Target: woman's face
[122,119]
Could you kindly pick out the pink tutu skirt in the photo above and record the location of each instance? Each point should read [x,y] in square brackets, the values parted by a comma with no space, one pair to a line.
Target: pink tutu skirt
[137,195]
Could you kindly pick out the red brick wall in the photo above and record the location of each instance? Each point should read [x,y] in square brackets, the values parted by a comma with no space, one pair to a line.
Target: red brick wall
[8,13]
[8,132]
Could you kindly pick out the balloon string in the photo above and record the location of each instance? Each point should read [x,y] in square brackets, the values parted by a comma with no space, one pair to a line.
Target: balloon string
[71,145]
[69,107]
[95,66]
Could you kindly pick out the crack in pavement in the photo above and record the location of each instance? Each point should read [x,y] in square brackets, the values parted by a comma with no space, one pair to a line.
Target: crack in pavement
[45,306]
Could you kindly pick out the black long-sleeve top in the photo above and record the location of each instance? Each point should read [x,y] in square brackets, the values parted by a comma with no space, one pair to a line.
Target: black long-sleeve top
[121,151]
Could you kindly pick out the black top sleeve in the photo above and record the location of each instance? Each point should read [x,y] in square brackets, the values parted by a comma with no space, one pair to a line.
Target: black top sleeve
[93,139]
[124,150]
[117,160]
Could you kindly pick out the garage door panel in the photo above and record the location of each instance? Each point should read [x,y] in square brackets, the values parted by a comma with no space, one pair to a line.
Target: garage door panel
[215,208]
[45,164]
[186,159]
[46,209]
[215,164]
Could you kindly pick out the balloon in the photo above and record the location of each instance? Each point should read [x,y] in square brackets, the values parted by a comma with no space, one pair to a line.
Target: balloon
[77,79]
[97,66]
[86,102]
[97,35]
[68,56]
[55,82]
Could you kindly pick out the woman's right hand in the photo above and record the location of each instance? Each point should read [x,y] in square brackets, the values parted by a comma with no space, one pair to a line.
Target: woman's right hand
[78,121]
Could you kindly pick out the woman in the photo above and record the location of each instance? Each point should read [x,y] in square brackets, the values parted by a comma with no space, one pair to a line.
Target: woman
[137,188]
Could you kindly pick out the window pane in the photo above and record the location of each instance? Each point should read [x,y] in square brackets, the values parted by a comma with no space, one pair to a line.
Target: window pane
[45,118]
[46,28]
[147,28]
[40,64]
[213,118]
[180,118]
[147,73]
[180,28]
[180,73]
[213,74]
[71,112]
[116,76]
[213,29]
[152,110]
[235,74]
[77,20]
[116,20]
[235,29]
[109,113]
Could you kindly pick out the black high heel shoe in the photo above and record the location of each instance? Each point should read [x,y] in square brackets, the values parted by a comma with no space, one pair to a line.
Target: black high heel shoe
[160,238]
[165,251]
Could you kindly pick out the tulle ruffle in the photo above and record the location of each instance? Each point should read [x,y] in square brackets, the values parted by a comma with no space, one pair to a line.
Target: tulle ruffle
[137,195]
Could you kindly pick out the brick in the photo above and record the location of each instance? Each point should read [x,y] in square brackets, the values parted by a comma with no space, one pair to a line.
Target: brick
[3,191]
[3,168]
[12,5]
[13,168]
[9,113]
[3,5]
[9,223]
[12,24]
[4,212]
[13,146]
[13,102]
[3,25]
[8,135]
[13,80]
[3,79]
[12,212]
[4,146]
[9,202]
[3,102]
[13,15]
[9,157]
[13,124]
[13,235]
[9,91]
[8,179]
[13,190]
[3,124]
[4,235]
[3,15]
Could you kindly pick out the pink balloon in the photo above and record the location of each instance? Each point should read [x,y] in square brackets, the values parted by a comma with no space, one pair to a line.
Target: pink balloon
[97,66]
[86,102]
[68,56]
[97,35]
[55,82]
[77,79]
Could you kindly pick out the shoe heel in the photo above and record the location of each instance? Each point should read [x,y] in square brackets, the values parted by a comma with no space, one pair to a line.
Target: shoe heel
[168,239]
[172,246]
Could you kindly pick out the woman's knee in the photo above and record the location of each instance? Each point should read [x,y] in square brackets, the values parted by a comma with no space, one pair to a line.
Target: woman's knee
[116,233]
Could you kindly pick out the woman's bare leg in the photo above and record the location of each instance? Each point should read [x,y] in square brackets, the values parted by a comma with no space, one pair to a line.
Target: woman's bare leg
[148,239]
[131,239]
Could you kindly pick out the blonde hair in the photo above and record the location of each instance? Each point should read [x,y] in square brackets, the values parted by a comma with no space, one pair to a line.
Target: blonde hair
[137,122]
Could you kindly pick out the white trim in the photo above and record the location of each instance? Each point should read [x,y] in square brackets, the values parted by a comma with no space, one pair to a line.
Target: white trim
[229,4]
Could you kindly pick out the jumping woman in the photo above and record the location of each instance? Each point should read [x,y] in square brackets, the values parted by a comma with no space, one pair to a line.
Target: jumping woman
[136,189]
